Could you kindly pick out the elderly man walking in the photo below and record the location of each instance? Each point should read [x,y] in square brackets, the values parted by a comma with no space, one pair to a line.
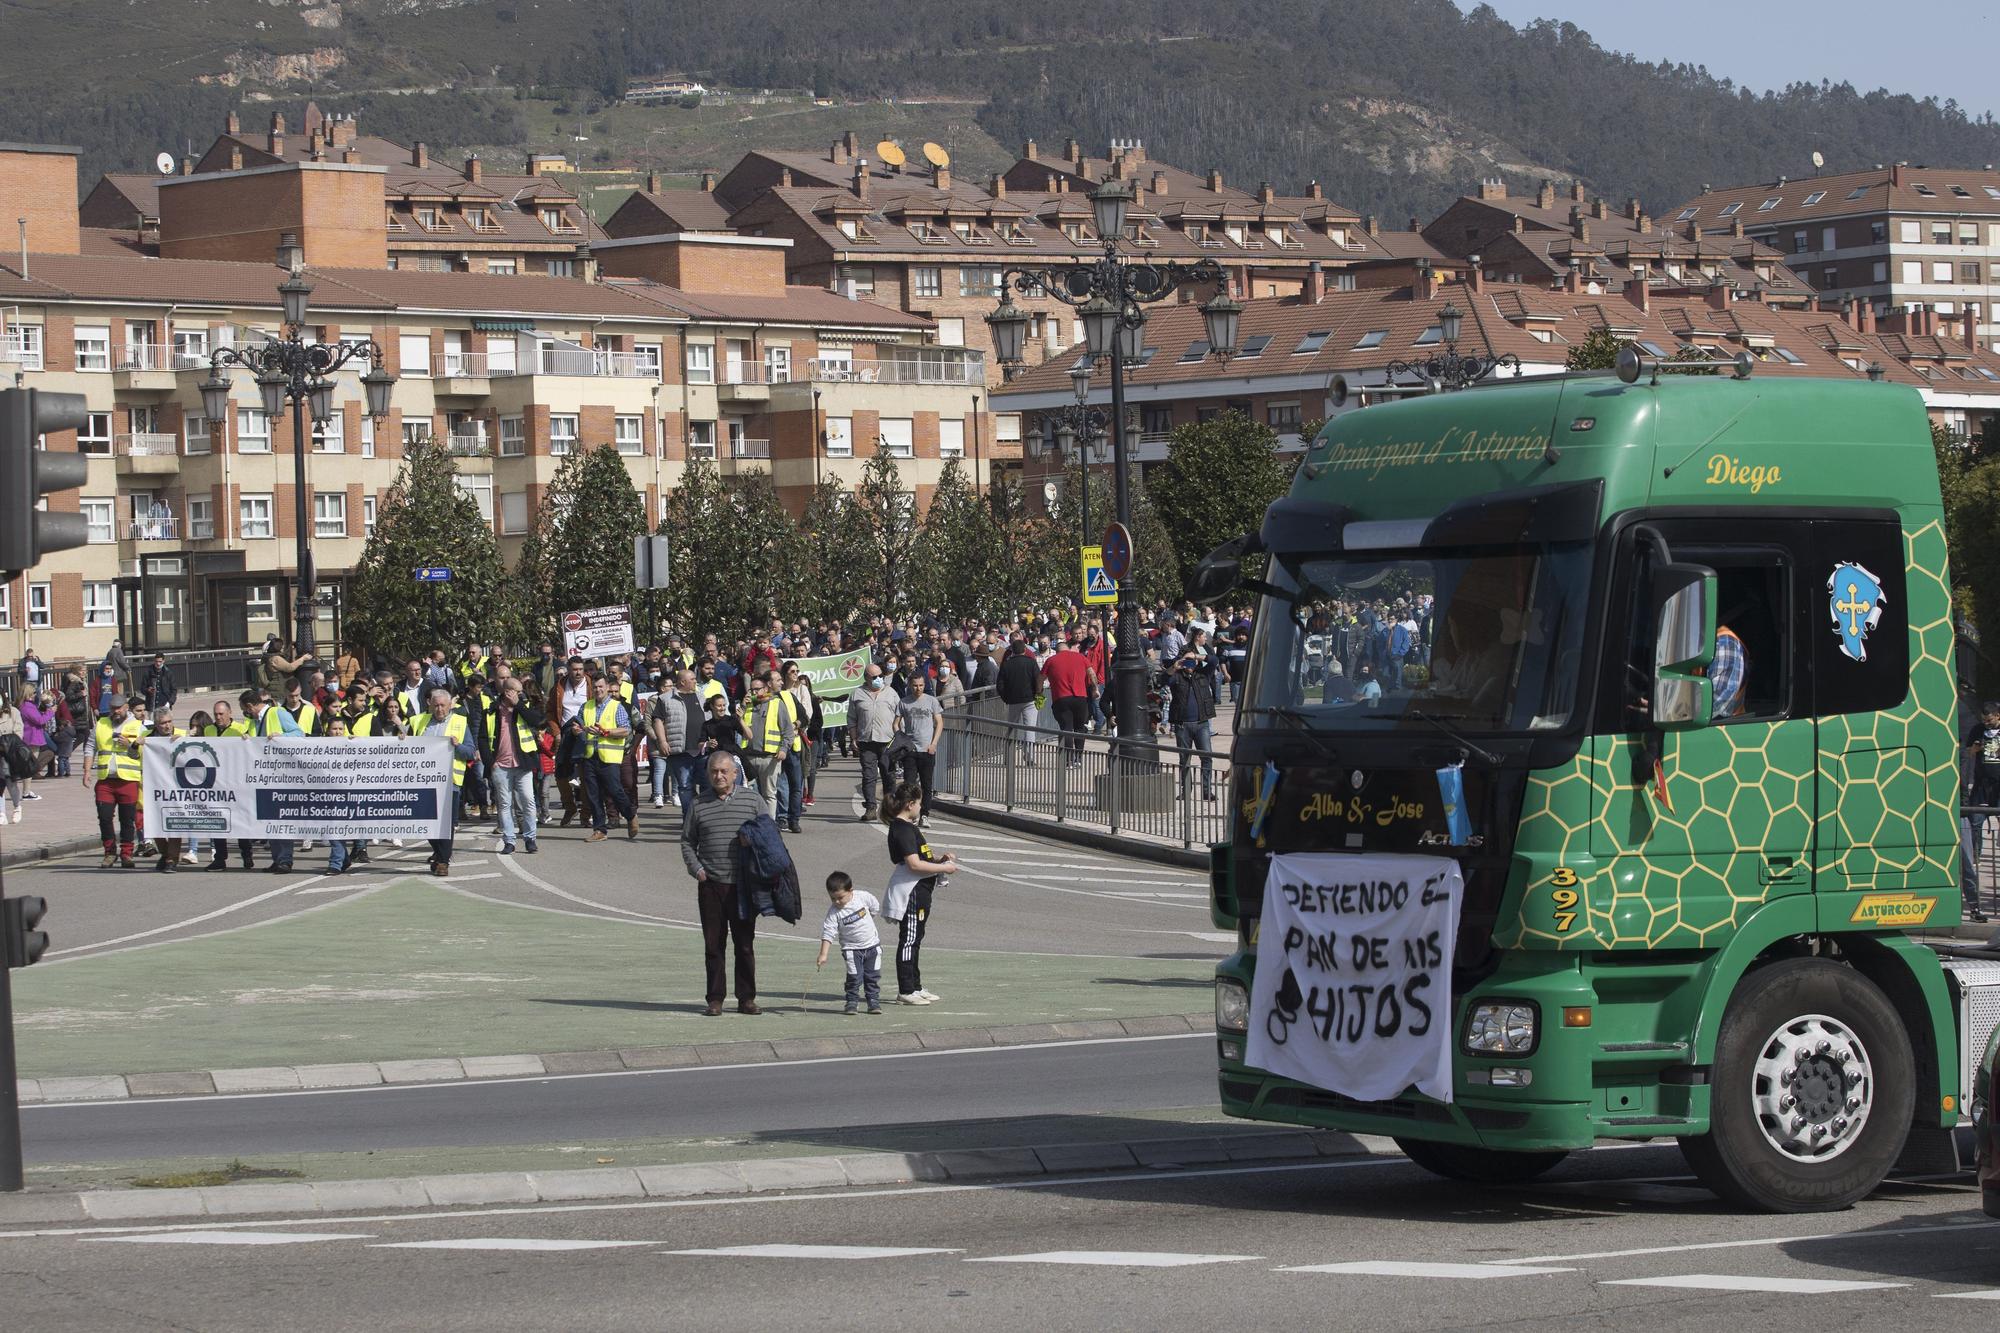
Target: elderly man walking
[871,721]
[709,837]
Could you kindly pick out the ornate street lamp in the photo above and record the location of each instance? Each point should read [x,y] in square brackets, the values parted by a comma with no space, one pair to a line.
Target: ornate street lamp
[290,369]
[1448,369]
[1110,294]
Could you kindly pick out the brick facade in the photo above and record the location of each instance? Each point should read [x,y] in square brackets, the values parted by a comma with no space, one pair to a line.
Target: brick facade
[39,184]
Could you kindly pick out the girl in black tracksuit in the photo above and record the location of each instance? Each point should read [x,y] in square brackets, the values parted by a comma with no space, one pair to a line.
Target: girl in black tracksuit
[911,883]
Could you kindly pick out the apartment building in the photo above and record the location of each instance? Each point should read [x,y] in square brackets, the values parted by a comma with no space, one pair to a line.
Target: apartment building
[1893,237]
[423,214]
[1294,351]
[929,243]
[691,347]
[1551,238]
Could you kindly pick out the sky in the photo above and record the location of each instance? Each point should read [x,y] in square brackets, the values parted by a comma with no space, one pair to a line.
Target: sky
[1852,41]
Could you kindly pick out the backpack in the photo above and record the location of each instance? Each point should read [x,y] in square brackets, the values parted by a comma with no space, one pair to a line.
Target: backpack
[19,759]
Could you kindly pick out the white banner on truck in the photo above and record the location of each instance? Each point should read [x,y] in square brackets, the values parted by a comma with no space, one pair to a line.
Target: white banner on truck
[297,787]
[1353,985]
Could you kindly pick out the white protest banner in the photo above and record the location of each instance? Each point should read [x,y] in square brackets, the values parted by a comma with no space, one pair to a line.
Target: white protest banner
[1353,985]
[602,631]
[297,787]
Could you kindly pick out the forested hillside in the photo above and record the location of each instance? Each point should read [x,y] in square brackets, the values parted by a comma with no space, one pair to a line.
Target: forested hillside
[1394,105]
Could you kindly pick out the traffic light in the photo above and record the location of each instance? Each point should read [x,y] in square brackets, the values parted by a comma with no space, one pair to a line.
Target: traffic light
[18,919]
[27,473]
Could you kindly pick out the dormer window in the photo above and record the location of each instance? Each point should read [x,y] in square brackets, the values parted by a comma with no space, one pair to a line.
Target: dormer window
[1687,213]
[1814,198]
[847,227]
[964,230]
[1768,204]
[1197,233]
[427,217]
[1731,210]
[1924,190]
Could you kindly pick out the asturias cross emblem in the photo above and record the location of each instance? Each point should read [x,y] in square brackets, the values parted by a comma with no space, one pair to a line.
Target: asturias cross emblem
[1855,601]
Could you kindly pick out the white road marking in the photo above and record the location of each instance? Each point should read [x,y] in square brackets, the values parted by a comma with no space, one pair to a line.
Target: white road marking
[1118,1258]
[528,876]
[1394,1268]
[1993,1295]
[1786,1286]
[1212,936]
[463,879]
[509,1243]
[813,1252]
[1022,863]
[1943,1227]
[334,888]
[56,954]
[230,1238]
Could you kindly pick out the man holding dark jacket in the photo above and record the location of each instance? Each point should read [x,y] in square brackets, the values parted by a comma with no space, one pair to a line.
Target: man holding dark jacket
[709,838]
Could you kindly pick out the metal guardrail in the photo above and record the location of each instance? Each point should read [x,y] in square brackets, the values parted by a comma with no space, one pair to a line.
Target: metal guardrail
[195,670]
[1156,790]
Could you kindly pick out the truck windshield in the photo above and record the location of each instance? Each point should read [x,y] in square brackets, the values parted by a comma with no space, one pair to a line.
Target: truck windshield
[1479,640]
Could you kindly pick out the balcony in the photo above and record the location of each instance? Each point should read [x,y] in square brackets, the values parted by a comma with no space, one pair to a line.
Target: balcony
[583,361]
[161,528]
[148,453]
[463,374]
[144,368]
[469,442]
[940,366]
[744,382]
[19,352]
[746,448]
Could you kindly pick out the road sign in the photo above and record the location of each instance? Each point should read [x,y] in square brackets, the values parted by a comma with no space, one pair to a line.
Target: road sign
[649,561]
[603,631]
[1098,585]
[1117,552]
[434,574]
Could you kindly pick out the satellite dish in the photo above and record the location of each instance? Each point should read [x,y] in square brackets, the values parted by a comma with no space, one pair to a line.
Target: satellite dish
[891,152]
[1818,159]
[936,156]
[164,164]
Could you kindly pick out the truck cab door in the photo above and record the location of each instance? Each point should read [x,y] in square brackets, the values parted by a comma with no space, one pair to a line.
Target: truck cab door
[1701,826]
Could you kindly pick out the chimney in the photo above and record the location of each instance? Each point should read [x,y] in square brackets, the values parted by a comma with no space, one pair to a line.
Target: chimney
[1520,224]
[586,263]
[1119,167]
[1645,225]
[1545,197]
[275,141]
[837,154]
[652,182]
[187,166]
[708,182]
[473,169]
[340,131]
[1086,169]
[1576,192]
[1313,191]
[1214,181]
[784,178]
[1266,195]
[1736,228]
[941,177]
[1971,334]
[420,156]
[1413,223]
[1896,174]
[235,158]
[996,185]
[1029,151]
[1420,282]
[350,155]
[1072,151]
[1638,291]
[1373,227]
[1598,210]
[1315,283]
[1054,184]
[1720,295]
[1493,188]
[232,124]
[316,145]
[1582,229]
[850,144]
[1160,183]
[1573,279]
[861,178]
[1864,313]
[1475,275]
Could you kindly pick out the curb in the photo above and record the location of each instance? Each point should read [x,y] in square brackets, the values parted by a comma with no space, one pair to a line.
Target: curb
[472,1068]
[51,851]
[1191,858]
[755,1176]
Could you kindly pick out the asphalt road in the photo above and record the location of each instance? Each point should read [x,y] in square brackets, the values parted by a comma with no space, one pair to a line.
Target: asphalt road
[1017,893]
[791,1100]
[1616,1238]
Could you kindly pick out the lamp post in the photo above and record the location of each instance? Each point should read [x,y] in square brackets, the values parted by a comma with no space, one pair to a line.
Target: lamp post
[1110,294]
[1079,429]
[1448,370]
[290,369]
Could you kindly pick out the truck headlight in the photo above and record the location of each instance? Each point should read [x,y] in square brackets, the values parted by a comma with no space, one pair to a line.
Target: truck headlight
[1503,1027]
[1232,1006]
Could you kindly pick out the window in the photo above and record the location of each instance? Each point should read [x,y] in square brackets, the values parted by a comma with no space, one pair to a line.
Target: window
[6,606]
[1687,213]
[1826,239]
[22,345]
[951,439]
[1789,357]
[1910,233]
[1731,210]
[1913,272]
[93,347]
[1881,271]
[978,280]
[897,439]
[367,437]
[1283,416]
[1924,190]
[368,516]
[1968,233]
[562,435]
[416,430]
[1196,351]
[481,491]
[329,514]
[1857,192]
[701,439]
[1799,242]
[1878,233]
[98,520]
[1941,270]
[95,437]
[1961,192]
[951,333]
[194,429]
[1768,204]
[415,353]
[629,434]
[1315,340]
[778,365]
[260,602]
[253,431]
[1007,427]
[1253,347]
[504,268]
[513,437]
[190,347]
[1813,198]
[100,604]
[330,436]
[1430,336]
[1940,233]
[201,517]
[701,363]
[39,615]
[513,512]
[1829,278]
[649,359]
[858,281]
[927,281]
[562,268]
[1968,272]
[253,516]
[1372,338]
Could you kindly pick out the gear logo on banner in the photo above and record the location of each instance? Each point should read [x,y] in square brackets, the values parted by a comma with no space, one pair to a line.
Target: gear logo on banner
[194,765]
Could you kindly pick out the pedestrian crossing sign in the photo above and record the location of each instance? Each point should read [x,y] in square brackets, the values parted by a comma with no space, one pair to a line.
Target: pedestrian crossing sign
[1098,586]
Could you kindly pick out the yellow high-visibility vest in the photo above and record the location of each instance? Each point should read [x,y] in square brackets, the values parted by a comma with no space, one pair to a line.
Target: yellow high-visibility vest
[798,724]
[772,739]
[363,725]
[113,758]
[523,733]
[307,717]
[605,749]
[454,730]
[708,689]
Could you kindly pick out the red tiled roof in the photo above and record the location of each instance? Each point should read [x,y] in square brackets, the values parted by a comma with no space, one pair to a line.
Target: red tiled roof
[1951,190]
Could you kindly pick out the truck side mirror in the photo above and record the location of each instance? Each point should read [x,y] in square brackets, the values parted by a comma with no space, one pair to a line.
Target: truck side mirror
[1220,571]
[1683,695]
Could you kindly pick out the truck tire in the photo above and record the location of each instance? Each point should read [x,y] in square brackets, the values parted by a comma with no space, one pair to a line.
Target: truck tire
[1811,1091]
[1480,1166]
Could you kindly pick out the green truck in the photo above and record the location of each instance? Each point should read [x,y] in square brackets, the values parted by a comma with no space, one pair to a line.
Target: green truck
[1596,777]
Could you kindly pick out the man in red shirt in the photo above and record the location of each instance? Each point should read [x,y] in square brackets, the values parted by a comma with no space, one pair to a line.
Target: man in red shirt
[1097,656]
[1069,679]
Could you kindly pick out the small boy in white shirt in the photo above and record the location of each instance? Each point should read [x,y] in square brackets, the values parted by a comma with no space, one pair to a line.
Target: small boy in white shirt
[850,923]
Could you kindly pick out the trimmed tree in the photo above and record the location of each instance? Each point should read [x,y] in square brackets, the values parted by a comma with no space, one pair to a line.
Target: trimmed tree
[1218,479]
[833,554]
[705,594]
[424,520]
[580,552]
[882,523]
[961,559]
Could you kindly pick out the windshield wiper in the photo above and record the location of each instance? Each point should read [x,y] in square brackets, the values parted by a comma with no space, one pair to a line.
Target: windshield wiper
[1300,723]
[1465,742]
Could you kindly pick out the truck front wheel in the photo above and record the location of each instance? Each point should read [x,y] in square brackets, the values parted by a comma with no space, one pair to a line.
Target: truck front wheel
[1810,1093]
[1480,1166]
